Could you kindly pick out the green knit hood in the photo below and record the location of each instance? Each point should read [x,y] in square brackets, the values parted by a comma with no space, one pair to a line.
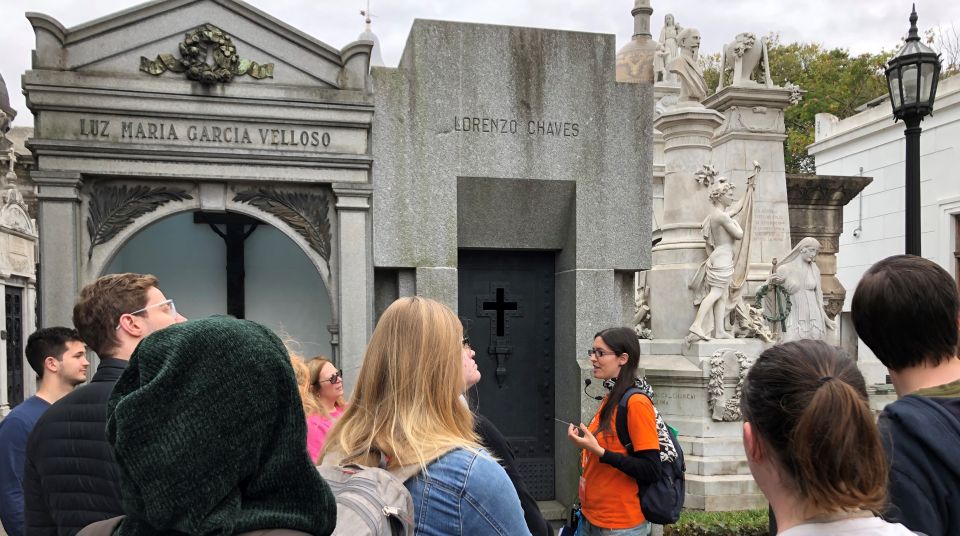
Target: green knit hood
[208,429]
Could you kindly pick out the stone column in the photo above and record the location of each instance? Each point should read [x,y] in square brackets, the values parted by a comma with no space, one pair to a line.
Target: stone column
[687,133]
[816,209]
[753,130]
[59,225]
[354,275]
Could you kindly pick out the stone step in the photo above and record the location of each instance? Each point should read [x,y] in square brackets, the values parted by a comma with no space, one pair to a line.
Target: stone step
[553,510]
[724,503]
[716,465]
[711,446]
[713,485]
[703,426]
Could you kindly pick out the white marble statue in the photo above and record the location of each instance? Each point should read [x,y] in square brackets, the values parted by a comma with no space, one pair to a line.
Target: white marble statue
[711,284]
[799,276]
[668,49]
[742,58]
[687,68]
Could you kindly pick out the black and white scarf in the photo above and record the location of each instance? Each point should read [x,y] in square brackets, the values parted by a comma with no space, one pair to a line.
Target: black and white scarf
[667,452]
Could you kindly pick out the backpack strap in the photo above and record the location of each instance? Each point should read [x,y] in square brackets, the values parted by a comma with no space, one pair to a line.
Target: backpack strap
[623,430]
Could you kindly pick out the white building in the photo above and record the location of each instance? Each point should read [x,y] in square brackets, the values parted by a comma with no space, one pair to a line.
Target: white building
[871,144]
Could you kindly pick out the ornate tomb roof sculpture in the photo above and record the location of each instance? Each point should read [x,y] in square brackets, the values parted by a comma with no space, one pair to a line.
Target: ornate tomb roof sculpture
[195,48]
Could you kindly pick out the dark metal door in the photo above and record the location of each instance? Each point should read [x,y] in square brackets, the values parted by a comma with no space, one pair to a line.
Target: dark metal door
[507,300]
[14,327]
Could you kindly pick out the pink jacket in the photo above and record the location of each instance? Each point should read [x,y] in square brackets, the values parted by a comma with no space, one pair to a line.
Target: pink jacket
[317,428]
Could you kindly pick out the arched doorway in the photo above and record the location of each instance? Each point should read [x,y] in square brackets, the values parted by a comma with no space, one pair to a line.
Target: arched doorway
[281,287]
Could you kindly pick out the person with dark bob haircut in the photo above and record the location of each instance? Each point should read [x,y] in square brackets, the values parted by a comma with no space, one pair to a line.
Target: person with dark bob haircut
[812,443]
[907,310]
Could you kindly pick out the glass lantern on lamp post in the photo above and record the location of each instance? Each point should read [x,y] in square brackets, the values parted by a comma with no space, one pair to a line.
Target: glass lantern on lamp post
[912,76]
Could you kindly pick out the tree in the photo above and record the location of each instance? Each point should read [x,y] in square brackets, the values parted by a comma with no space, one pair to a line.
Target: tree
[946,41]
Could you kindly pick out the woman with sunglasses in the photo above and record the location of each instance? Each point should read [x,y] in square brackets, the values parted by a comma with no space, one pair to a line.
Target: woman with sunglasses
[406,414]
[324,403]
[609,497]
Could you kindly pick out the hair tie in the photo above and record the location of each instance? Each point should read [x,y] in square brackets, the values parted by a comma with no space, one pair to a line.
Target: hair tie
[823,380]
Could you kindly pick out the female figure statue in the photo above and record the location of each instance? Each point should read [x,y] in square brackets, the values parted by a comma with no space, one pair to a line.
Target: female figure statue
[668,49]
[799,275]
[711,283]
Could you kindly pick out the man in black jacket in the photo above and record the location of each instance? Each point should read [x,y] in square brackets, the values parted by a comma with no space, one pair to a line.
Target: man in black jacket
[907,310]
[70,477]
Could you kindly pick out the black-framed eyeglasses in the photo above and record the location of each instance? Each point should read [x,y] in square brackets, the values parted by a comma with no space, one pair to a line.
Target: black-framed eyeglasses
[334,378]
[466,343]
[598,353]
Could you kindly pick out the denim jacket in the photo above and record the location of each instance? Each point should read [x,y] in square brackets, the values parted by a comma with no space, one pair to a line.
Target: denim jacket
[464,492]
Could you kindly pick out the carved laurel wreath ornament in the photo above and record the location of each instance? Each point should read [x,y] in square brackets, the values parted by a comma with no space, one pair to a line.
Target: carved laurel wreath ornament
[782,300]
[193,59]
[729,409]
[306,213]
[113,208]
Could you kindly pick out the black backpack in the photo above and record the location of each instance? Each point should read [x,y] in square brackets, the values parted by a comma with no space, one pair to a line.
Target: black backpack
[661,501]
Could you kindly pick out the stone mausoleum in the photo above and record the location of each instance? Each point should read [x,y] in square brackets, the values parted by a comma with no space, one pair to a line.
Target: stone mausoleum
[262,173]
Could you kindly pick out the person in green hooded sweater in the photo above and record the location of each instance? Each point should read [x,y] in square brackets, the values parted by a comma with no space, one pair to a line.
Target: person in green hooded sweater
[209,433]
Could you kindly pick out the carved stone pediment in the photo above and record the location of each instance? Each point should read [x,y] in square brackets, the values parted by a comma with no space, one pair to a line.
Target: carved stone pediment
[215,30]
[14,216]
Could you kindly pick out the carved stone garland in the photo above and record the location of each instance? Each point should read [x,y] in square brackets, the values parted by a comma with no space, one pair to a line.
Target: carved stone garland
[193,59]
[729,408]
[113,208]
[306,213]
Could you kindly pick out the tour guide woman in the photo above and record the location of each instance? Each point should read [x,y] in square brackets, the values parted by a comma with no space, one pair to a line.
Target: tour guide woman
[609,486]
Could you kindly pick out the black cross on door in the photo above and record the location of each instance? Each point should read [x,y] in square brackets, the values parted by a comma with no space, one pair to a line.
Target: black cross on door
[501,306]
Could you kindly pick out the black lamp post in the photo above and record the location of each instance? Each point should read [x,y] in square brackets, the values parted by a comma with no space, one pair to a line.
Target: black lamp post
[912,80]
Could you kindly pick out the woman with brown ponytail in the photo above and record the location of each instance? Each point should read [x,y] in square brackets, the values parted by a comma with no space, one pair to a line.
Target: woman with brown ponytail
[812,442]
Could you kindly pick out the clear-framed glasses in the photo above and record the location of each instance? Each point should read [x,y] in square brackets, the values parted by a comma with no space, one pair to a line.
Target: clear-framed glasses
[171,310]
[334,378]
[598,353]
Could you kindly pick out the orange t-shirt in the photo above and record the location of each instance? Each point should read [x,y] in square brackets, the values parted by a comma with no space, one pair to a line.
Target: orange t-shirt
[609,497]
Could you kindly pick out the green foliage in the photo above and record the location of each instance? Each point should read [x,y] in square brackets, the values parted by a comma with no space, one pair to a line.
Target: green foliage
[740,523]
[835,82]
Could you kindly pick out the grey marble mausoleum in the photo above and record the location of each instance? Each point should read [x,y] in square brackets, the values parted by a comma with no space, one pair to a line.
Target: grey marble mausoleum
[503,171]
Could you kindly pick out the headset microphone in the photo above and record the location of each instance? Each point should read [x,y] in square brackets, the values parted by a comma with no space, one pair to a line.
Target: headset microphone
[586,383]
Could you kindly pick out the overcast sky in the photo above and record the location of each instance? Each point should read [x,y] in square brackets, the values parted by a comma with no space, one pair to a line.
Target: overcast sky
[858,25]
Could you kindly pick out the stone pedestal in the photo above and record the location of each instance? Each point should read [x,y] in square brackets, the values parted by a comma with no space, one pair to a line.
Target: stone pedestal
[816,209]
[753,130]
[686,133]
[718,478]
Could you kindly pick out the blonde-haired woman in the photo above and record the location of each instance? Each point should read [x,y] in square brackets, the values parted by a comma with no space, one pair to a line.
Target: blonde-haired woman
[406,408]
[323,402]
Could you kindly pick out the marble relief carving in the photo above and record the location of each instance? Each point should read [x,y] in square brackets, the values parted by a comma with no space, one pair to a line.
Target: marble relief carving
[207,40]
[113,208]
[306,213]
